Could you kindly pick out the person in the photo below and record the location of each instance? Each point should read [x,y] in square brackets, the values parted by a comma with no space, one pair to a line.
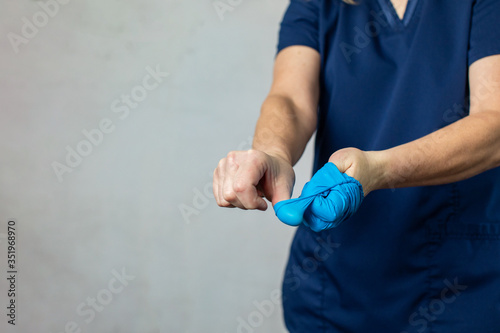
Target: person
[404,96]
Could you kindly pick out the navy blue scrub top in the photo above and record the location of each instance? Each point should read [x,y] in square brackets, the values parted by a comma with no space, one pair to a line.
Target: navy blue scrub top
[423,259]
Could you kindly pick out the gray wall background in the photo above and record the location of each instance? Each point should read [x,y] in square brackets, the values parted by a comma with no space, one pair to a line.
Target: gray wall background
[119,210]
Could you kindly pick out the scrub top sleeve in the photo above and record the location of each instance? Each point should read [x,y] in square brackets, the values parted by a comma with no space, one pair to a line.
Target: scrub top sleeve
[485,30]
[300,25]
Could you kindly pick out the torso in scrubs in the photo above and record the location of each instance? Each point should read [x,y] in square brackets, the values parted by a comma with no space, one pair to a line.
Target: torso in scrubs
[423,259]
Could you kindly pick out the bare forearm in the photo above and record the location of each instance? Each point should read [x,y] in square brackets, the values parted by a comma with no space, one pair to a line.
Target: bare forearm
[456,152]
[283,129]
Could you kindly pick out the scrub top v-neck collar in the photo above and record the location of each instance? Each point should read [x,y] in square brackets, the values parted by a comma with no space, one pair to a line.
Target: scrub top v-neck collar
[392,16]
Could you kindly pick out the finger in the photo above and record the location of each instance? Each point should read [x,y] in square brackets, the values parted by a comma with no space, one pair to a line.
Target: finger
[215,185]
[292,212]
[281,192]
[340,159]
[228,193]
[221,177]
[245,186]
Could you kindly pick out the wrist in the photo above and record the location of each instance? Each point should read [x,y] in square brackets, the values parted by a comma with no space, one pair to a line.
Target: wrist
[276,152]
[379,162]
[381,177]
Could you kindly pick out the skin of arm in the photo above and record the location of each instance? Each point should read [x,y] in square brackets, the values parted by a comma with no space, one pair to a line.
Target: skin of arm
[456,152]
[287,121]
[289,114]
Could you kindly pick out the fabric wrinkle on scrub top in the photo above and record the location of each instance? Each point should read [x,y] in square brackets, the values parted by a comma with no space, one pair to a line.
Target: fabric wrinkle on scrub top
[422,259]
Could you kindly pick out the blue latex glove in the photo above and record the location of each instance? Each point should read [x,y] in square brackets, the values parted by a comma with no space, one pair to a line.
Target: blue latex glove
[329,198]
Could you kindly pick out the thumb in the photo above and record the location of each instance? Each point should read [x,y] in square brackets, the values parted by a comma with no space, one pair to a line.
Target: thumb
[281,192]
[279,179]
[341,159]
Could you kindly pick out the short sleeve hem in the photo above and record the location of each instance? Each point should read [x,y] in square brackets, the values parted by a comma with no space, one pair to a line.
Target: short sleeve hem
[484,37]
[284,44]
[300,25]
[475,56]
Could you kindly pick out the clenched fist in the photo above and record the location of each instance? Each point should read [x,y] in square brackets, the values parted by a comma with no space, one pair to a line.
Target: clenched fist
[243,178]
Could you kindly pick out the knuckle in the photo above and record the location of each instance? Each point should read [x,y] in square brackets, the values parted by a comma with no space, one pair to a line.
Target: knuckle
[232,161]
[221,164]
[228,195]
[254,154]
[239,186]
[256,158]
[231,155]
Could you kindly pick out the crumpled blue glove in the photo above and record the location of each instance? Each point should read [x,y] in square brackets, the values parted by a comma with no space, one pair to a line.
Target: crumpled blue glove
[328,199]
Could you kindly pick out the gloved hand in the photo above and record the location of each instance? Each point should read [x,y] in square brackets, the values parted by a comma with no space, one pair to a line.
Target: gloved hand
[328,199]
